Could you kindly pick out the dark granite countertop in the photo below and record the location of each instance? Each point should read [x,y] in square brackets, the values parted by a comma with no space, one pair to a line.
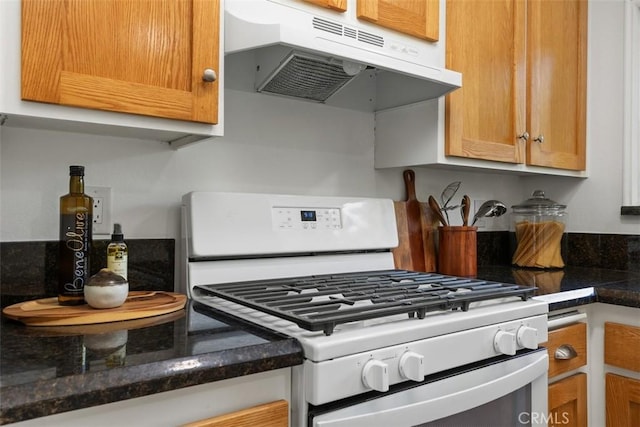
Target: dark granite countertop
[49,370]
[572,286]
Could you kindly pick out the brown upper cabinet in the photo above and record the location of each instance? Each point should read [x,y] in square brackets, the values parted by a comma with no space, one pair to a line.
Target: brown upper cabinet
[155,58]
[523,95]
[339,5]
[418,18]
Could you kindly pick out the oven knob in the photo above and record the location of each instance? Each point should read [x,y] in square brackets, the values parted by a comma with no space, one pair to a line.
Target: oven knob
[505,343]
[527,337]
[412,366]
[375,375]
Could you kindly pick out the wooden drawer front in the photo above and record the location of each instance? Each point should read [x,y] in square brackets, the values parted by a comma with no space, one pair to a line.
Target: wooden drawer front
[274,414]
[622,346]
[568,401]
[572,336]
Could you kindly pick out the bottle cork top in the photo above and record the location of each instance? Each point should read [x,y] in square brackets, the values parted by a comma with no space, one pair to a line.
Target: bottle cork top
[76,170]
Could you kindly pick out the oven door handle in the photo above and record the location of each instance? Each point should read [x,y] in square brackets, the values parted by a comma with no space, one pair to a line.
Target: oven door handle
[452,395]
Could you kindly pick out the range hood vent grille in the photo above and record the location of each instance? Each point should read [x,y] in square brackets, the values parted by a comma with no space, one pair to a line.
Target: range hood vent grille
[328,26]
[304,76]
[373,39]
[340,30]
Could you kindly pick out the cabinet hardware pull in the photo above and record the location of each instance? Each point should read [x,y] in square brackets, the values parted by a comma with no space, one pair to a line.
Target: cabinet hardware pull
[524,136]
[539,138]
[565,352]
[209,75]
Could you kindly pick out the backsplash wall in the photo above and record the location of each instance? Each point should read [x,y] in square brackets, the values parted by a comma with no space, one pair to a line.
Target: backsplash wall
[607,251]
[270,145]
[29,269]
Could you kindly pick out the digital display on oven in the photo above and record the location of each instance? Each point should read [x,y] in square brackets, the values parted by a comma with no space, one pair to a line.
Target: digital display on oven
[308,215]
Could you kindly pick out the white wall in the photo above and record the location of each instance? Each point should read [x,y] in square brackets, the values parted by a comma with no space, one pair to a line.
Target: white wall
[270,145]
[277,145]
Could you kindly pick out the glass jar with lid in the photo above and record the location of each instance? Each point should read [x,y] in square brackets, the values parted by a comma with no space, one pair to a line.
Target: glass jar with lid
[539,227]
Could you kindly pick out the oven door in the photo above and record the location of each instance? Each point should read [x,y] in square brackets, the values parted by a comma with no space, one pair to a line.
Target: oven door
[501,392]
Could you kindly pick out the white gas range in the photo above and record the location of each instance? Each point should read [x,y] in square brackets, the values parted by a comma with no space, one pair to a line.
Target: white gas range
[381,346]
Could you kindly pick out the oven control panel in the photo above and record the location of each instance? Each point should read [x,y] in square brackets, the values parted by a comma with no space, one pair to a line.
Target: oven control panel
[230,225]
[381,368]
[295,218]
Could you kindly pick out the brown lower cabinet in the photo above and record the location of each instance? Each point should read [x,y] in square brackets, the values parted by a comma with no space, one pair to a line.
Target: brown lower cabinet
[622,349]
[568,401]
[567,349]
[623,401]
[273,414]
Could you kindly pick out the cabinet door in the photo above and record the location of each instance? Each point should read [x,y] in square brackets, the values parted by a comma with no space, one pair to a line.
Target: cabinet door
[339,5]
[557,67]
[623,401]
[618,339]
[274,414]
[140,57]
[419,18]
[568,401]
[485,42]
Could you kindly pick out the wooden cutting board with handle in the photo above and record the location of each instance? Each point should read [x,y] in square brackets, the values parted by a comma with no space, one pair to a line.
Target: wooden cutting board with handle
[416,229]
[139,304]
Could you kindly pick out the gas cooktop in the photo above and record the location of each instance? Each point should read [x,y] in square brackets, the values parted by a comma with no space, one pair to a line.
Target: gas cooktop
[320,302]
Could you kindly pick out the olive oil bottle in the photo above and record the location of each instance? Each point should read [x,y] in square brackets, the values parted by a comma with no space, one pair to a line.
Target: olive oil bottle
[76,219]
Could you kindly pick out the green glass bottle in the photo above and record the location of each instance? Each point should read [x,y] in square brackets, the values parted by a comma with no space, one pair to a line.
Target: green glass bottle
[76,218]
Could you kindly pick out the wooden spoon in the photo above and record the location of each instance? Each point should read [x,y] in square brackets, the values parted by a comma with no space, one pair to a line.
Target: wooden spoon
[437,211]
[465,208]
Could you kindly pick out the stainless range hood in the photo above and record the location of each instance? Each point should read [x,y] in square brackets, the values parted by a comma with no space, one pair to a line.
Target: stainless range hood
[304,52]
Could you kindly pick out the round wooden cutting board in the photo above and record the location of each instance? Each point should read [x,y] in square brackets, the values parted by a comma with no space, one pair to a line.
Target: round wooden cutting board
[139,304]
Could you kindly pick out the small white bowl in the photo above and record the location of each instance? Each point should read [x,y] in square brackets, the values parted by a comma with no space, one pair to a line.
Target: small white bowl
[109,296]
[106,290]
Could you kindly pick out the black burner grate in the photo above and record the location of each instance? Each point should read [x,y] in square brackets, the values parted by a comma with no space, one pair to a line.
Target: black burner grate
[323,301]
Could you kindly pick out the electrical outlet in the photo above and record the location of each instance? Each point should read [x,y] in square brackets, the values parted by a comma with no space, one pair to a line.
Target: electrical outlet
[480,223]
[101,209]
